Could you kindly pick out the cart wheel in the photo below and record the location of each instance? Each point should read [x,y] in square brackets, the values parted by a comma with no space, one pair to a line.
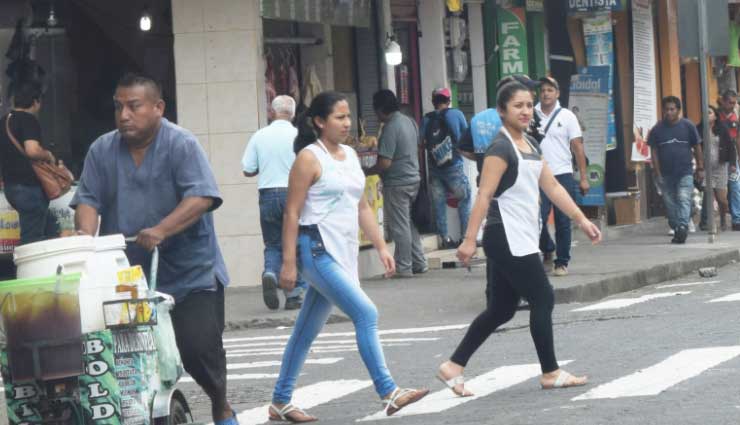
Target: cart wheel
[178,414]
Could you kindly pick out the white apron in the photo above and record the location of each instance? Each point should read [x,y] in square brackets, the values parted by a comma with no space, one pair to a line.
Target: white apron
[519,205]
[332,204]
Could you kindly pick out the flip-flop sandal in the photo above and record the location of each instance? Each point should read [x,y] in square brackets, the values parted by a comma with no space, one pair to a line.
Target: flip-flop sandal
[229,421]
[562,382]
[392,407]
[282,414]
[453,382]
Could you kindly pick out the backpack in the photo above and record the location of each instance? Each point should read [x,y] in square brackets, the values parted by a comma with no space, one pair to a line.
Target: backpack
[438,139]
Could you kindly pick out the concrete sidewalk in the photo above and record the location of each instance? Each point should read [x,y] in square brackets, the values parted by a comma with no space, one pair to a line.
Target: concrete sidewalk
[629,258]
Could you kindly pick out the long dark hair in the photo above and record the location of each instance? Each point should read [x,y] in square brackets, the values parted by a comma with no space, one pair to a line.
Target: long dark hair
[321,106]
[717,128]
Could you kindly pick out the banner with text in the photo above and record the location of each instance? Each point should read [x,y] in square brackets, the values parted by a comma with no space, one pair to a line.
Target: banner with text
[512,40]
[579,6]
[645,92]
[597,31]
[589,101]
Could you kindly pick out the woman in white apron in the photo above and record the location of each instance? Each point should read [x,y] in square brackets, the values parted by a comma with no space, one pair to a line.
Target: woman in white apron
[325,209]
[513,173]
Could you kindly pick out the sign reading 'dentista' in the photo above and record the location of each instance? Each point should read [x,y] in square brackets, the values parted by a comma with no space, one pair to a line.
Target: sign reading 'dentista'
[594,5]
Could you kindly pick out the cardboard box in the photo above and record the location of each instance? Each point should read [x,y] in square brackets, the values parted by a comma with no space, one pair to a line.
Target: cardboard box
[627,210]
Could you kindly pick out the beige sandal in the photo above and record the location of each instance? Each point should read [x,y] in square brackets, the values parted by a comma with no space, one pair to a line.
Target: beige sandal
[277,414]
[453,382]
[564,380]
[391,403]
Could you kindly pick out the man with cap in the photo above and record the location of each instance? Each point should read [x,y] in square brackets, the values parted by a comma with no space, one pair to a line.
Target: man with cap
[441,131]
[562,140]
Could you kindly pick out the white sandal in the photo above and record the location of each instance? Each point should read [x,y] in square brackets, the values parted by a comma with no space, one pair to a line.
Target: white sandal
[392,407]
[282,414]
[453,382]
[562,382]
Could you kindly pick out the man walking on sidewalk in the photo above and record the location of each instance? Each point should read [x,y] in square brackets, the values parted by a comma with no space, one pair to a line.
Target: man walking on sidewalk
[562,141]
[441,131]
[671,142]
[398,166]
[270,154]
[728,117]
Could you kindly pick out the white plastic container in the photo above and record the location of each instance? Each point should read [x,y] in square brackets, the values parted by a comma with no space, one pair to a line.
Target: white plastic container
[41,259]
[98,259]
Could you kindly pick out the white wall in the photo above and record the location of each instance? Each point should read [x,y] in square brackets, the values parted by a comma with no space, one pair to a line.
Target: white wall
[431,49]
[218,48]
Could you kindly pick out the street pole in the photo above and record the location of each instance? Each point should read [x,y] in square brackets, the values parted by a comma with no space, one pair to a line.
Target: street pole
[707,131]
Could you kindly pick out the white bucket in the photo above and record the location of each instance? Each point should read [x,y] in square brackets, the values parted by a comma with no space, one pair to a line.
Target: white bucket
[98,259]
[41,259]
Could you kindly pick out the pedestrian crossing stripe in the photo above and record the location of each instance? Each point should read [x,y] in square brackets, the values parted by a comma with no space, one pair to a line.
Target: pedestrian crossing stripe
[728,298]
[273,363]
[332,341]
[404,331]
[307,397]
[626,302]
[314,350]
[675,369]
[242,377]
[481,386]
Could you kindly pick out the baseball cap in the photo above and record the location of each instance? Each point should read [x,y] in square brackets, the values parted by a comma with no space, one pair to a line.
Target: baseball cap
[551,81]
[442,91]
[519,78]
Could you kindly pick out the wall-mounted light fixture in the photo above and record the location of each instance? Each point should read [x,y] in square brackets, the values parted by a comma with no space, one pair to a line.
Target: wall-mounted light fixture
[393,55]
[51,21]
[145,23]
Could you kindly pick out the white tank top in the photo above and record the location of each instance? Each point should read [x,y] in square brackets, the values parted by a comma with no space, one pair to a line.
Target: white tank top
[332,204]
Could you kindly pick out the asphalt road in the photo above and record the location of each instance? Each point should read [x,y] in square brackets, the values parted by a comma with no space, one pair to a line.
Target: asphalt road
[672,357]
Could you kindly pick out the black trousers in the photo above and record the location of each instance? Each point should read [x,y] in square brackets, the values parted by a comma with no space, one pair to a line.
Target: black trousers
[199,324]
[510,278]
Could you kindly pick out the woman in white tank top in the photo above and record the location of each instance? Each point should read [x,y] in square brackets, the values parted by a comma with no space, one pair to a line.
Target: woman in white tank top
[325,209]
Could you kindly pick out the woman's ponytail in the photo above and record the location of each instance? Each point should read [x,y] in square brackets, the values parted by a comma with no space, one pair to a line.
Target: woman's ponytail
[321,106]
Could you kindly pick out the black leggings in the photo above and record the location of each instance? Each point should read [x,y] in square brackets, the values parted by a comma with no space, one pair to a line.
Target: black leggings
[509,278]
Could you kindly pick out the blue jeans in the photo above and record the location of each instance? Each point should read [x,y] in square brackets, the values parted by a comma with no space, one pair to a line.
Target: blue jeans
[563,228]
[330,285]
[450,179]
[733,197]
[677,192]
[36,221]
[272,204]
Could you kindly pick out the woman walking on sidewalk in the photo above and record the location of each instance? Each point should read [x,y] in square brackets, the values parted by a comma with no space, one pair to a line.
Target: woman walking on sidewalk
[325,204]
[513,173]
[723,154]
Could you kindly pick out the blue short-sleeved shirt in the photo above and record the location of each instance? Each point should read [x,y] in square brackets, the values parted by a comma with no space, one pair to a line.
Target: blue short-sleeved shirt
[673,143]
[130,199]
[457,125]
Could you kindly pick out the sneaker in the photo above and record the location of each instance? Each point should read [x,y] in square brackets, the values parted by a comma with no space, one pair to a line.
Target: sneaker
[560,271]
[682,233]
[692,227]
[269,291]
[293,303]
[448,243]
[422,270]
[671,232]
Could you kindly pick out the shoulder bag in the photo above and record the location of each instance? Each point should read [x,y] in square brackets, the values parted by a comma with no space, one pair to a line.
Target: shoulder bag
[56,180]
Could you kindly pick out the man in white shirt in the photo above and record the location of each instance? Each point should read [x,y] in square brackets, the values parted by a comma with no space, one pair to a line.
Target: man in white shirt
[270,155]
[563,140]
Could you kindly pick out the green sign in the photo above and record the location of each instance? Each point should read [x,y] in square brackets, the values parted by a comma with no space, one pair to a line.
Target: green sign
[576,6]
[512,42]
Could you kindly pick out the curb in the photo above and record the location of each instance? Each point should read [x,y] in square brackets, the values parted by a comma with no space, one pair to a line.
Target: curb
[271,323]
[595,291]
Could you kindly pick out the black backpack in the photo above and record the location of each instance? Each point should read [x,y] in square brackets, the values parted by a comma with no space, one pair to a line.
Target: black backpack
[438,139]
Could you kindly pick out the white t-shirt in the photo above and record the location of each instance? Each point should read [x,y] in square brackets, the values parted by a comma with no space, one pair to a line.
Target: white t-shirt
[270,151]
[556,144]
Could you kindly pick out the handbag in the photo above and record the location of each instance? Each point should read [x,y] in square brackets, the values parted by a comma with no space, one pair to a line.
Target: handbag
[421,211]
[56,180]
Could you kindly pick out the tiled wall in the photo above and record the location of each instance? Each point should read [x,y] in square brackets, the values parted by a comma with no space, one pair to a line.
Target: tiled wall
[219,90]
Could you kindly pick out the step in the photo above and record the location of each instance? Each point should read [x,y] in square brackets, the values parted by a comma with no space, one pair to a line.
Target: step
[447,259]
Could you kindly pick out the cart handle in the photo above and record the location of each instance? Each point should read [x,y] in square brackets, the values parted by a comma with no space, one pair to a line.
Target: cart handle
[154,266]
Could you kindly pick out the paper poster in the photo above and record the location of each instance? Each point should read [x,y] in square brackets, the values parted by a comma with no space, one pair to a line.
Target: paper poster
[599,39]
[589,101]
[645,91]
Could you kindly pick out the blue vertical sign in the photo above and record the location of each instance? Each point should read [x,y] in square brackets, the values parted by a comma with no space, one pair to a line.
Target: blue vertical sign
[589,101]
[600,52]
